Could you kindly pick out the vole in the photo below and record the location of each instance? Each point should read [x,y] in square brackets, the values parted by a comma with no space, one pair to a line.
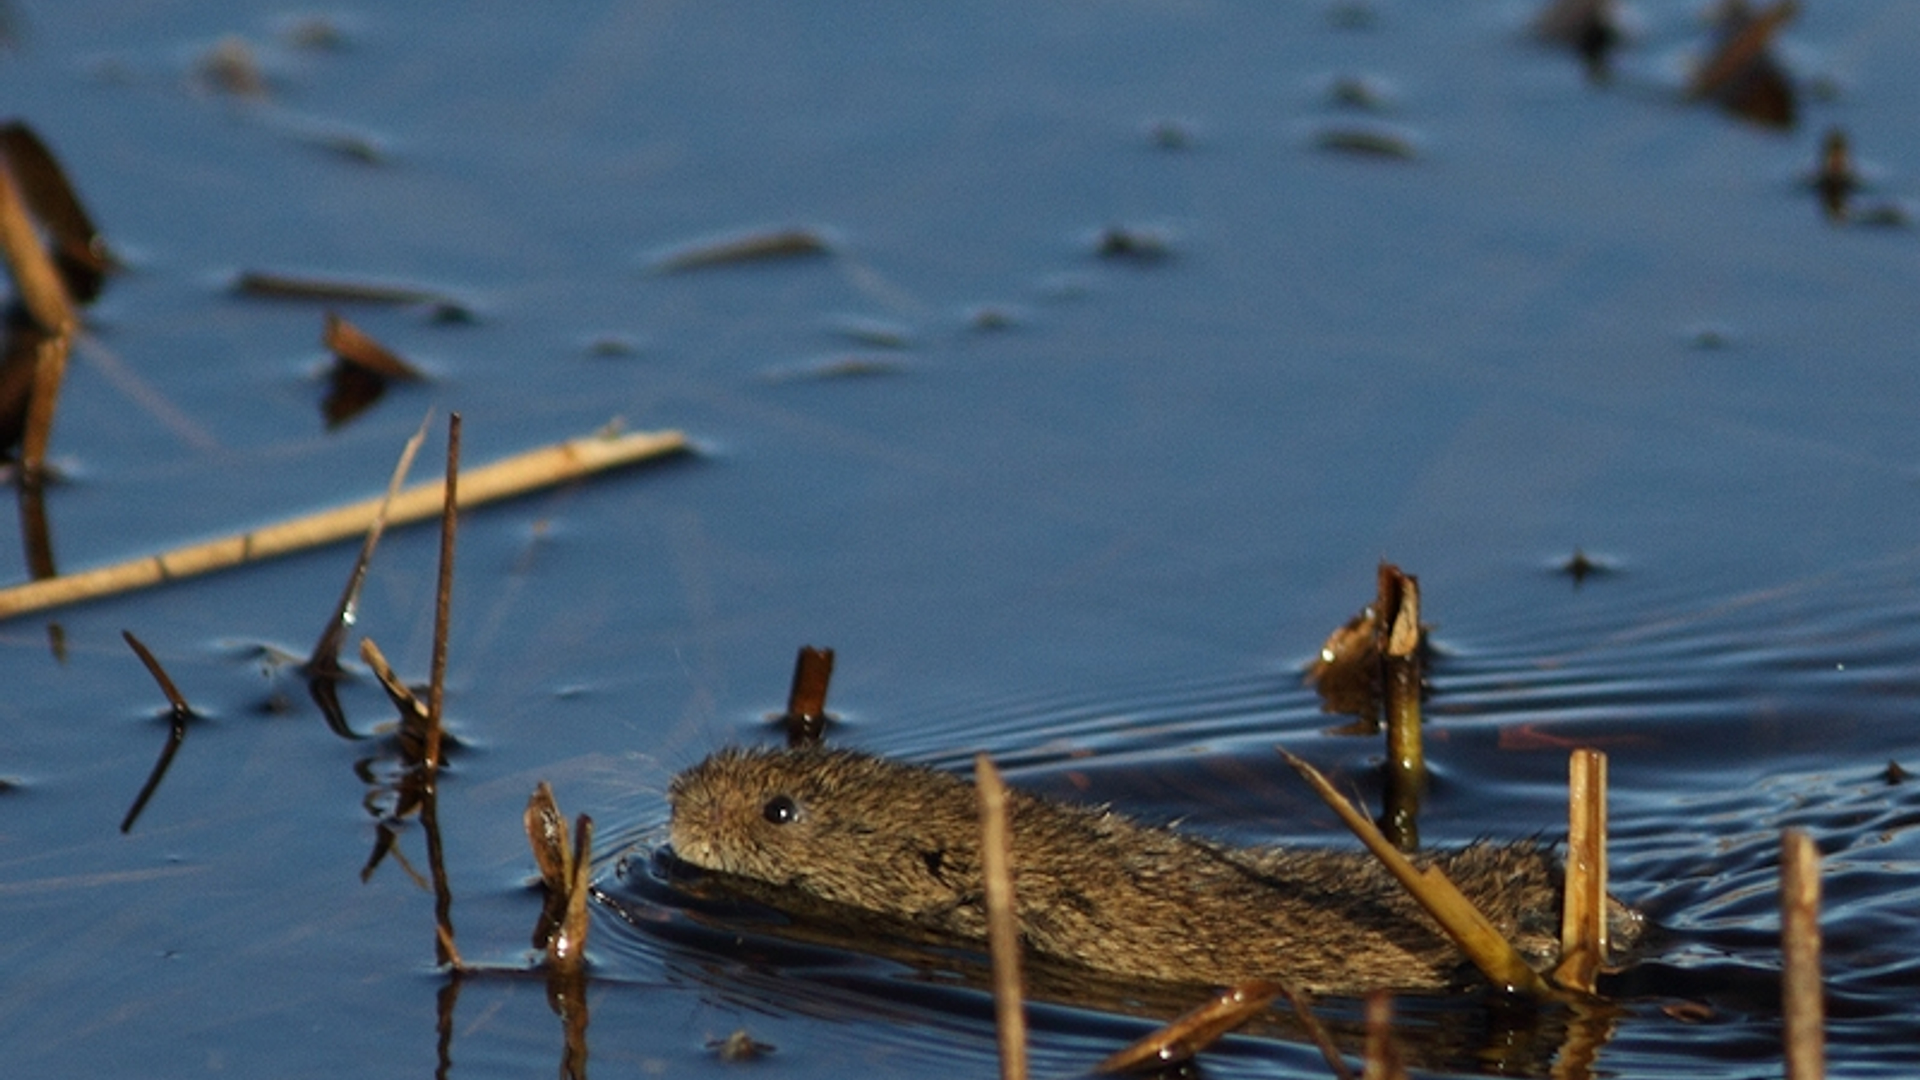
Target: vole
[1096,888]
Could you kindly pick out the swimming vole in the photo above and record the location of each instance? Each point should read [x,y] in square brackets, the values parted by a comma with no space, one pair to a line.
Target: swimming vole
[1095,888]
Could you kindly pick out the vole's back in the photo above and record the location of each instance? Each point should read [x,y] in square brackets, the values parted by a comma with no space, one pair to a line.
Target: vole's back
[1093,887]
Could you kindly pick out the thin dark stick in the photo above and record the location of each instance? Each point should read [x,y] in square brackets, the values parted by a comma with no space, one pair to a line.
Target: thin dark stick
[436,698]
[179,712]
[443,596]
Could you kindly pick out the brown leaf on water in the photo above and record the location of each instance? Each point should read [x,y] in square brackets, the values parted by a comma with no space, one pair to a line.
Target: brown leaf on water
[80,253]
[1741,74]
[362,369]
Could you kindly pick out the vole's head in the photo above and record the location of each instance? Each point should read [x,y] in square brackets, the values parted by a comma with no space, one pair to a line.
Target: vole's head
[843,826]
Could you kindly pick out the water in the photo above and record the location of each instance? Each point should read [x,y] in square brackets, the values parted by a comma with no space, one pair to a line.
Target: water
[1097,542]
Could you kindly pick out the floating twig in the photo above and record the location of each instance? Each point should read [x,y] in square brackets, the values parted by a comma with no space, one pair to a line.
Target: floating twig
[766,246]
[544,467]
[1583,923]
[273,285]
[1193,1031]
[806,715]
[1003,929]
[178,713]
[1476,936]
[1803,1011]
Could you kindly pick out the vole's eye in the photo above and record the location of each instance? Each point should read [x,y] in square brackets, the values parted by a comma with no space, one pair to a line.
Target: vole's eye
[780,810]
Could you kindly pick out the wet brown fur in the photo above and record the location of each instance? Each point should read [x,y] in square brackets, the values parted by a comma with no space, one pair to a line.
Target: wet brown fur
[1096,888]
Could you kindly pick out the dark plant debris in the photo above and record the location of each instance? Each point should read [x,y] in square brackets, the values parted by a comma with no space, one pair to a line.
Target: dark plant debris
[1741,74]
[1590,28]
[1127,243]
[1580,566]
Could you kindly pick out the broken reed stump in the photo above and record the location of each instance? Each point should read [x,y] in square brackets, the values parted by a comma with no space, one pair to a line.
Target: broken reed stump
[1373,667]
[1802,1009]
[1583,924]
[805,720]
[1003,929]
[562,929]
[544,467]
[1401,648]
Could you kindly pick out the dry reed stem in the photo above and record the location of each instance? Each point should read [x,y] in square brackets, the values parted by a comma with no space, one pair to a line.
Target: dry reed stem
[544,467]
[413,715]
[1195,1030]
[1478,938]
[1003,930]
[42,292]
[1583,922]
[1803,1011]
[49,372]
[325,656]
